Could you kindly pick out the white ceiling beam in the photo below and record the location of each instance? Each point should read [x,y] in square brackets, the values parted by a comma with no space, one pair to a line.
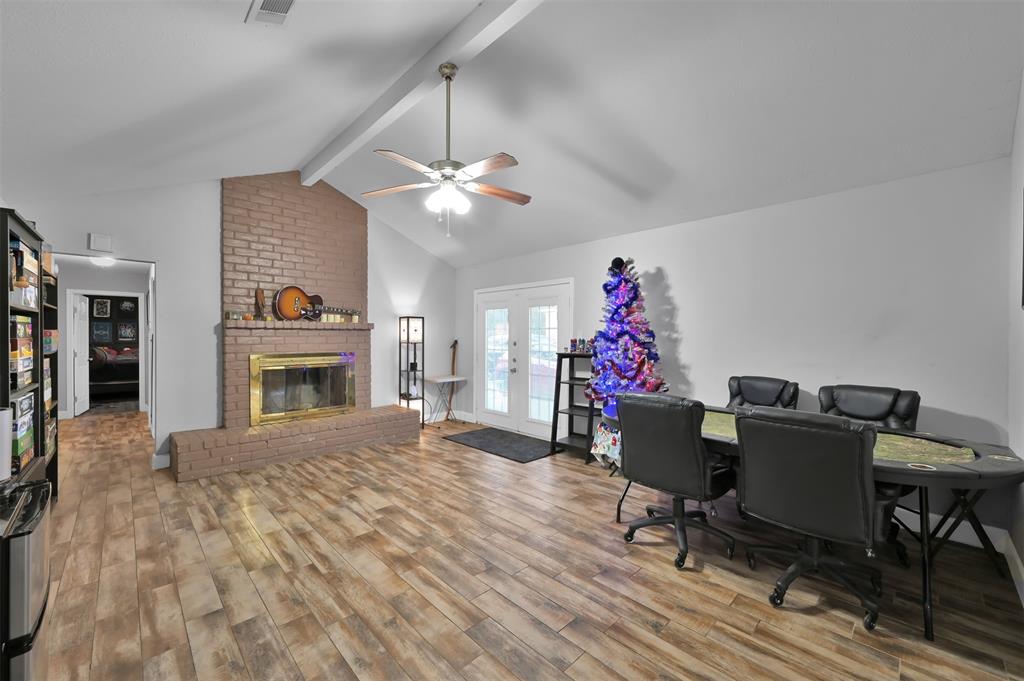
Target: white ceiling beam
[481,27]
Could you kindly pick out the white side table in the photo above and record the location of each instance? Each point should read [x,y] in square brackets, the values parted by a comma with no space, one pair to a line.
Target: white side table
[446,388]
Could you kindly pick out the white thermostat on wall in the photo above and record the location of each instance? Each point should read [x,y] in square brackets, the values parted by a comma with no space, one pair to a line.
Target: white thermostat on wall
[101,242]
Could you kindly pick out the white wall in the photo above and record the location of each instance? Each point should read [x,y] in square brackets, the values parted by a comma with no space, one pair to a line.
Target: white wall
[1016,345]
[2,203]
[178,228]
[406,280]
[901,284]
[78,274]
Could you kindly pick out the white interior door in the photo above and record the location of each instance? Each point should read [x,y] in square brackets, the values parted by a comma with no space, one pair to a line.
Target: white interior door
[80,353]
[519,333]
[150,342]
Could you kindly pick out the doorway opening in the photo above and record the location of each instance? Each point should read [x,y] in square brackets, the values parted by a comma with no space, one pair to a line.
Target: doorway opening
[518,331]
[107,336]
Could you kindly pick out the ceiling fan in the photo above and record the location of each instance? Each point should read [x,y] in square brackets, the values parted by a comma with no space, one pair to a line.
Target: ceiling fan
[449,176]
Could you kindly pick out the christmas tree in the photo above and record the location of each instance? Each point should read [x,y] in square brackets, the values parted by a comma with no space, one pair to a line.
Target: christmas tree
[625,355]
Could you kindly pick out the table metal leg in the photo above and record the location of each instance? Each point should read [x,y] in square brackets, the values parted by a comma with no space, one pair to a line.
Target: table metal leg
[945,517]
[618,509]
[926,563]
[448,416]
[993,555]
[966,506]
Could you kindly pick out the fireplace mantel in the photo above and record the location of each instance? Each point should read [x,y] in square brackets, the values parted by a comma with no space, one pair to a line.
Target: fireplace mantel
[296,326]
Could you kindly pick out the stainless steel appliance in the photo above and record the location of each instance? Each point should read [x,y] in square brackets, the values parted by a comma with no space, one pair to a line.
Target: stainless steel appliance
[24,581]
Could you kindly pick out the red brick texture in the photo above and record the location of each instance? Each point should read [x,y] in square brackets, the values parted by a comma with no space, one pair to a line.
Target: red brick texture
[275,233]
[201,453]
[242,339]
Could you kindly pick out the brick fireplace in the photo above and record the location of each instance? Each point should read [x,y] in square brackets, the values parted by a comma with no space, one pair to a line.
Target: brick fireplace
[276,232]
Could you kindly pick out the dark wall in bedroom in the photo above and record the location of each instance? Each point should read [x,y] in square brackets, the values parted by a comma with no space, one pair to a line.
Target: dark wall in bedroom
[104,331]
[113,347]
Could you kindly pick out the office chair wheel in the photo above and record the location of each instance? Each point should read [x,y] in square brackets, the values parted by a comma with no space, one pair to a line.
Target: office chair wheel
[777,597]
[628,536]
[876,585]
[751,561]
[680,561]
[870,621]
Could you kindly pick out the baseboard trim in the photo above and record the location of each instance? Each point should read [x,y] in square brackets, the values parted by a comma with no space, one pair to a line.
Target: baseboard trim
[64,415]
[1016,564]
[457,415]
[161,461]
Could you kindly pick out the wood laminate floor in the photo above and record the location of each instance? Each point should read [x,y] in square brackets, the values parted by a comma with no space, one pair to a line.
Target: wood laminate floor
[436,561]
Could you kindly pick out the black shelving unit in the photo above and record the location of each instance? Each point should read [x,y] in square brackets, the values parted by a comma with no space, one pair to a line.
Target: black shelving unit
[51,322]
[44,315]
[579,408]
[412,383]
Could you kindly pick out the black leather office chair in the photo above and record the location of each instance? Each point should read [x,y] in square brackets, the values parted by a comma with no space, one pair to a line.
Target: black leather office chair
[662,449]
[811,474]
[763,391]
[889,408]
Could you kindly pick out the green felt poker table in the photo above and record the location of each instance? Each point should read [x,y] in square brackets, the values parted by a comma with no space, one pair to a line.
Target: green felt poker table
[921,460]
[906,458]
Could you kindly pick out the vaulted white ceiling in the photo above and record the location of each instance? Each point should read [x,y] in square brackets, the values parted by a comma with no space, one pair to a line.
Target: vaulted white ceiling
[623,115]
[101,95]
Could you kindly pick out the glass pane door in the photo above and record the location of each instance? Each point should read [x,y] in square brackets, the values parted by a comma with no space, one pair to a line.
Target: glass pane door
[543,333]
[516,341]
[496,360]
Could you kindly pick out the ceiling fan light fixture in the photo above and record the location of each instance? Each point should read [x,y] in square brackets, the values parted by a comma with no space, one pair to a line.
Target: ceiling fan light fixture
[449,175]
[448,197]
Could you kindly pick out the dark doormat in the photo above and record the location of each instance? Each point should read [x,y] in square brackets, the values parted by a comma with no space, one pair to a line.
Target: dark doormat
[515,446]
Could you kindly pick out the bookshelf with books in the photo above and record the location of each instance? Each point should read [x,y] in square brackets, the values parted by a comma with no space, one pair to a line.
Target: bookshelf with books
[32,315]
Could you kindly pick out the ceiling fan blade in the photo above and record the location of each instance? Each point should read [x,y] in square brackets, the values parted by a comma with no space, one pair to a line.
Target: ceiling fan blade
[395,190]
[488,165]
[406,161]
[497,192]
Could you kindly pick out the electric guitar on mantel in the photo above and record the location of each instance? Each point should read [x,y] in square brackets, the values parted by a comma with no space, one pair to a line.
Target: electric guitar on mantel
[292,303]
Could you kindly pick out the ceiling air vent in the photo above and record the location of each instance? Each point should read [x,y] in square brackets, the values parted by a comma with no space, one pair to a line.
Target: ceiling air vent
[268,11]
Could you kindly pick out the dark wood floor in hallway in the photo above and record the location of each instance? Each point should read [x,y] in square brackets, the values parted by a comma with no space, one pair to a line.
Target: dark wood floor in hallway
[436,561]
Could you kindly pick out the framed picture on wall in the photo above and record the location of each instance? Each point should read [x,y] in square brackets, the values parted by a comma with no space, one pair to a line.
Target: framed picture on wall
[127,331]
[102,332]
[101,307]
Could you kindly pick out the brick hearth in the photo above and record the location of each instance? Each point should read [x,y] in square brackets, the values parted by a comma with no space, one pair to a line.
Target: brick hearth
[201,453]
[275,232]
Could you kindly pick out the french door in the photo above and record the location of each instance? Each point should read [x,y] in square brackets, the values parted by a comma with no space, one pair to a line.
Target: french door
[518,333]
[80,352]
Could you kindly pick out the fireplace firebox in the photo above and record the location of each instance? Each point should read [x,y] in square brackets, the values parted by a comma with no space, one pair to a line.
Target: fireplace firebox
[289,386]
